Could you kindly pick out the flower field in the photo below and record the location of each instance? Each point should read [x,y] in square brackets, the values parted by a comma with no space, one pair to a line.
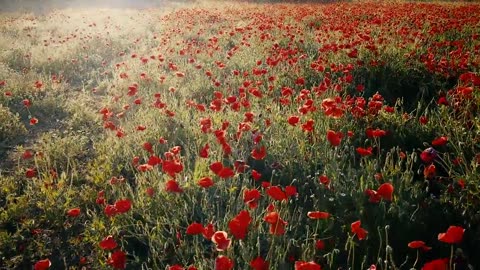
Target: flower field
[235,135]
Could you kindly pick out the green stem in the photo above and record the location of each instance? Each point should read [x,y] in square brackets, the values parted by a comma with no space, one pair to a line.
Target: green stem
[386,247]
[381,243]
[451,257]
[416,260]
[353,256]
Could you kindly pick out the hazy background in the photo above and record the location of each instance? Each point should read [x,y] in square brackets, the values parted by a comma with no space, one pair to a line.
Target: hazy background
[43,6]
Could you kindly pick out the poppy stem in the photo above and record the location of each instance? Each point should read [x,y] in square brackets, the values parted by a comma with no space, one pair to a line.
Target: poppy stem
[381,243]
[348,246]
[416,259]
[353,255]
[386,246]
[451,257]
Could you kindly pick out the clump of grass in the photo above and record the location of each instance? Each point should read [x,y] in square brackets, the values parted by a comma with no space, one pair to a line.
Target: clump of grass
[11,129]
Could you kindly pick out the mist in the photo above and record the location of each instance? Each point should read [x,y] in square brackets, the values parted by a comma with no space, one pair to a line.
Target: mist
[40,7]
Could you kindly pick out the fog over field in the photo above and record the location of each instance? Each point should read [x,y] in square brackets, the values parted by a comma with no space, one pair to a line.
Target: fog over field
[41,7]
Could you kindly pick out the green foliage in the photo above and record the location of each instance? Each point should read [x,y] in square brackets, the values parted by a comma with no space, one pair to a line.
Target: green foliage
[11,128]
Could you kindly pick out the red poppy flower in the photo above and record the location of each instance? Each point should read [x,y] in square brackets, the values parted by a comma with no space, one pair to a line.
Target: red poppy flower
[266,184]
[308,126]
[300,81]
[27,154]
[385,191]
[110,210]
[172,167]
[123,206]
[38,84]
[278,228]
[293,120]
[148,147]
[256,175]
[334,137]
[277,225]
[173,186]
[221,240]
[132,90]
[223,263]
[374,197]
[33,121]
[428,155]
[300,265]
[429,171]
[27,103]
[31,172]
[176,267]
[240,166]
[276,193]
[453,235]
[320,244]
[291,191]
[251,197]
[239,224]
[259,264]
[324,180]
[333,107]
[194,228]
[216,167]
[205,182]
[377,133]
[353,53]
[74,212]
[221,171]
[358,230]
[226,172]
[108,243]
[249,117]
[118,260]
[423,120]
[259,153]
[416,244]
[318,215]
[438,264]
[208,231]
[419,244]
[440,141]
[364,151]
[442,101]
[144,167]
[154,160]
[204,151]
[42,265]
